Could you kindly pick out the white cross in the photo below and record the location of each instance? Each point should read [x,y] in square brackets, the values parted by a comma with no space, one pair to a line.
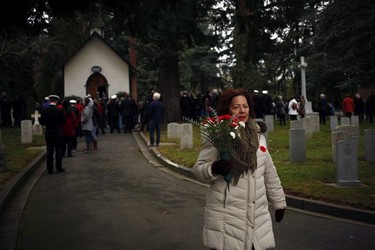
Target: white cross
[36,116]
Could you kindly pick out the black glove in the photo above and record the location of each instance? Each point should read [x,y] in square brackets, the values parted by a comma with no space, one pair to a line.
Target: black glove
[279,214]
[221,167]
[262,126]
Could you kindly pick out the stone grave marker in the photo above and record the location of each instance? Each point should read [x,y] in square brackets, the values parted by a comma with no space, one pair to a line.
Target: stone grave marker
[297,145]
[370,145]
[173,130]
[306,124]
[37,128]
[186,135]
[335,137]
[268,119]
[296,124]
[26,131]
[352,132]
[354,121]
[315,123]
[333,122]
[345,120]
[347,164]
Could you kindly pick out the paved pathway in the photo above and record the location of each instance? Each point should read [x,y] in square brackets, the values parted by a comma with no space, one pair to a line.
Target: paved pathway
[119,199]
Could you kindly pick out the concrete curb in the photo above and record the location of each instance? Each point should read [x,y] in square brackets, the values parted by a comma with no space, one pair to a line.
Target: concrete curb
[292,201]
[11,188]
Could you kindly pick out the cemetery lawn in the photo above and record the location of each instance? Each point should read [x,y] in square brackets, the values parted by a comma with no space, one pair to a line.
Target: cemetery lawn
[17,155]
[313,179]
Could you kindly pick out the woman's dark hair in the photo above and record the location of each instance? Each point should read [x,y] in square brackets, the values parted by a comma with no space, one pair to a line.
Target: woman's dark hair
[226,98]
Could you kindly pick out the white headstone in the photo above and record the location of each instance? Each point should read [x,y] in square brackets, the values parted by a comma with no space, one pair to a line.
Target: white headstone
[370,145]
[345,120]
[296,124]
[354,120]
[186,135]
[26,131]
[347,164]
[308,126]
[333,122]
[335,137]
[297,145]
[315,123]
[37,128]
[352,132]
[36,116]
[268,119]
[173,130]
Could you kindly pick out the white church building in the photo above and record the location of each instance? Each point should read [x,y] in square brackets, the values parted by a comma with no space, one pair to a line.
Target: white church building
[96,69]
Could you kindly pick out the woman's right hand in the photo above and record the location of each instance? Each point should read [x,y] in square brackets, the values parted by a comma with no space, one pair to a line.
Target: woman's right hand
[221,167]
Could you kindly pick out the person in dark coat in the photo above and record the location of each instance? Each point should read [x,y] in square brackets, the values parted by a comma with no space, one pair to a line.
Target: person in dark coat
[113,109]
[53,119]
[359,107]
[156,112]
[144,114]
[6,107]
[322,109]
[70,127]
[127,111]
[370,107]
[19,109]
[185,106]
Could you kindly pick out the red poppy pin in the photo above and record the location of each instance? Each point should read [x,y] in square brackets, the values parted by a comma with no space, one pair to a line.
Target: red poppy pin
[263,149]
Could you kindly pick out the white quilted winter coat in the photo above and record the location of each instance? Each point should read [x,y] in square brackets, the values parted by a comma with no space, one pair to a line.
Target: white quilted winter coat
[239,218]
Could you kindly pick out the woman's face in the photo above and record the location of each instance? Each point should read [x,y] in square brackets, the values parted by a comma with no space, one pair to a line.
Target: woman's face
[239,108]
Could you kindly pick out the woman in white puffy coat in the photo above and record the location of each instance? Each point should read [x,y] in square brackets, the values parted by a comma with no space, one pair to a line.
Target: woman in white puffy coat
[237,217]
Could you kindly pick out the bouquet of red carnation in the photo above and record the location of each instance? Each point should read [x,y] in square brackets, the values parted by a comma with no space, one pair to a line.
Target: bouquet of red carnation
[221,131]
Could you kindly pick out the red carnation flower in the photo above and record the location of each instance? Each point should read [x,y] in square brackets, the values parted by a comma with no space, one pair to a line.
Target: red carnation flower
[263,149]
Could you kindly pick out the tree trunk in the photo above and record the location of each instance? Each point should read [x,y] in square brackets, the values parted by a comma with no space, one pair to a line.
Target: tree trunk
[170,88]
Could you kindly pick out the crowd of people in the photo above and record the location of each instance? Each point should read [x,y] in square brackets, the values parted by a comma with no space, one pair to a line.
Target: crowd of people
[65,120]
[196,106]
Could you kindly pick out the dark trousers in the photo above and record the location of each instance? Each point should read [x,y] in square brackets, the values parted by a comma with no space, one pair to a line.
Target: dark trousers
[154,126]
[282,119]
[127,120]
[54,148]
[114,123]
[322,117]
[68,145]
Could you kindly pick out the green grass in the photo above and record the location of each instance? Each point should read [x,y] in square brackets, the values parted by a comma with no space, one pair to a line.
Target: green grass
[17,155]
[312,179]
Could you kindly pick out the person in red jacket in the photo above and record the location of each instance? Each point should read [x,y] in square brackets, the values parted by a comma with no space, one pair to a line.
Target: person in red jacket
[348,106]
[70,127]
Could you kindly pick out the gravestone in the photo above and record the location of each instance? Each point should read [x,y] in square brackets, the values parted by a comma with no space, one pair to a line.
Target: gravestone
[354,121]
[186,136]
[37,128]
[268,119]
[335,137]
[315,123]
[297,145]
[352,132]
[347,164]
[306,124]
[370,145]
[296,124]
[333,122]
[345,120]
[173,130]
[26,131]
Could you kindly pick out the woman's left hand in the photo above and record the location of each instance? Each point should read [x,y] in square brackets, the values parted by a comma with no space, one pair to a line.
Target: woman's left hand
[279,214]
